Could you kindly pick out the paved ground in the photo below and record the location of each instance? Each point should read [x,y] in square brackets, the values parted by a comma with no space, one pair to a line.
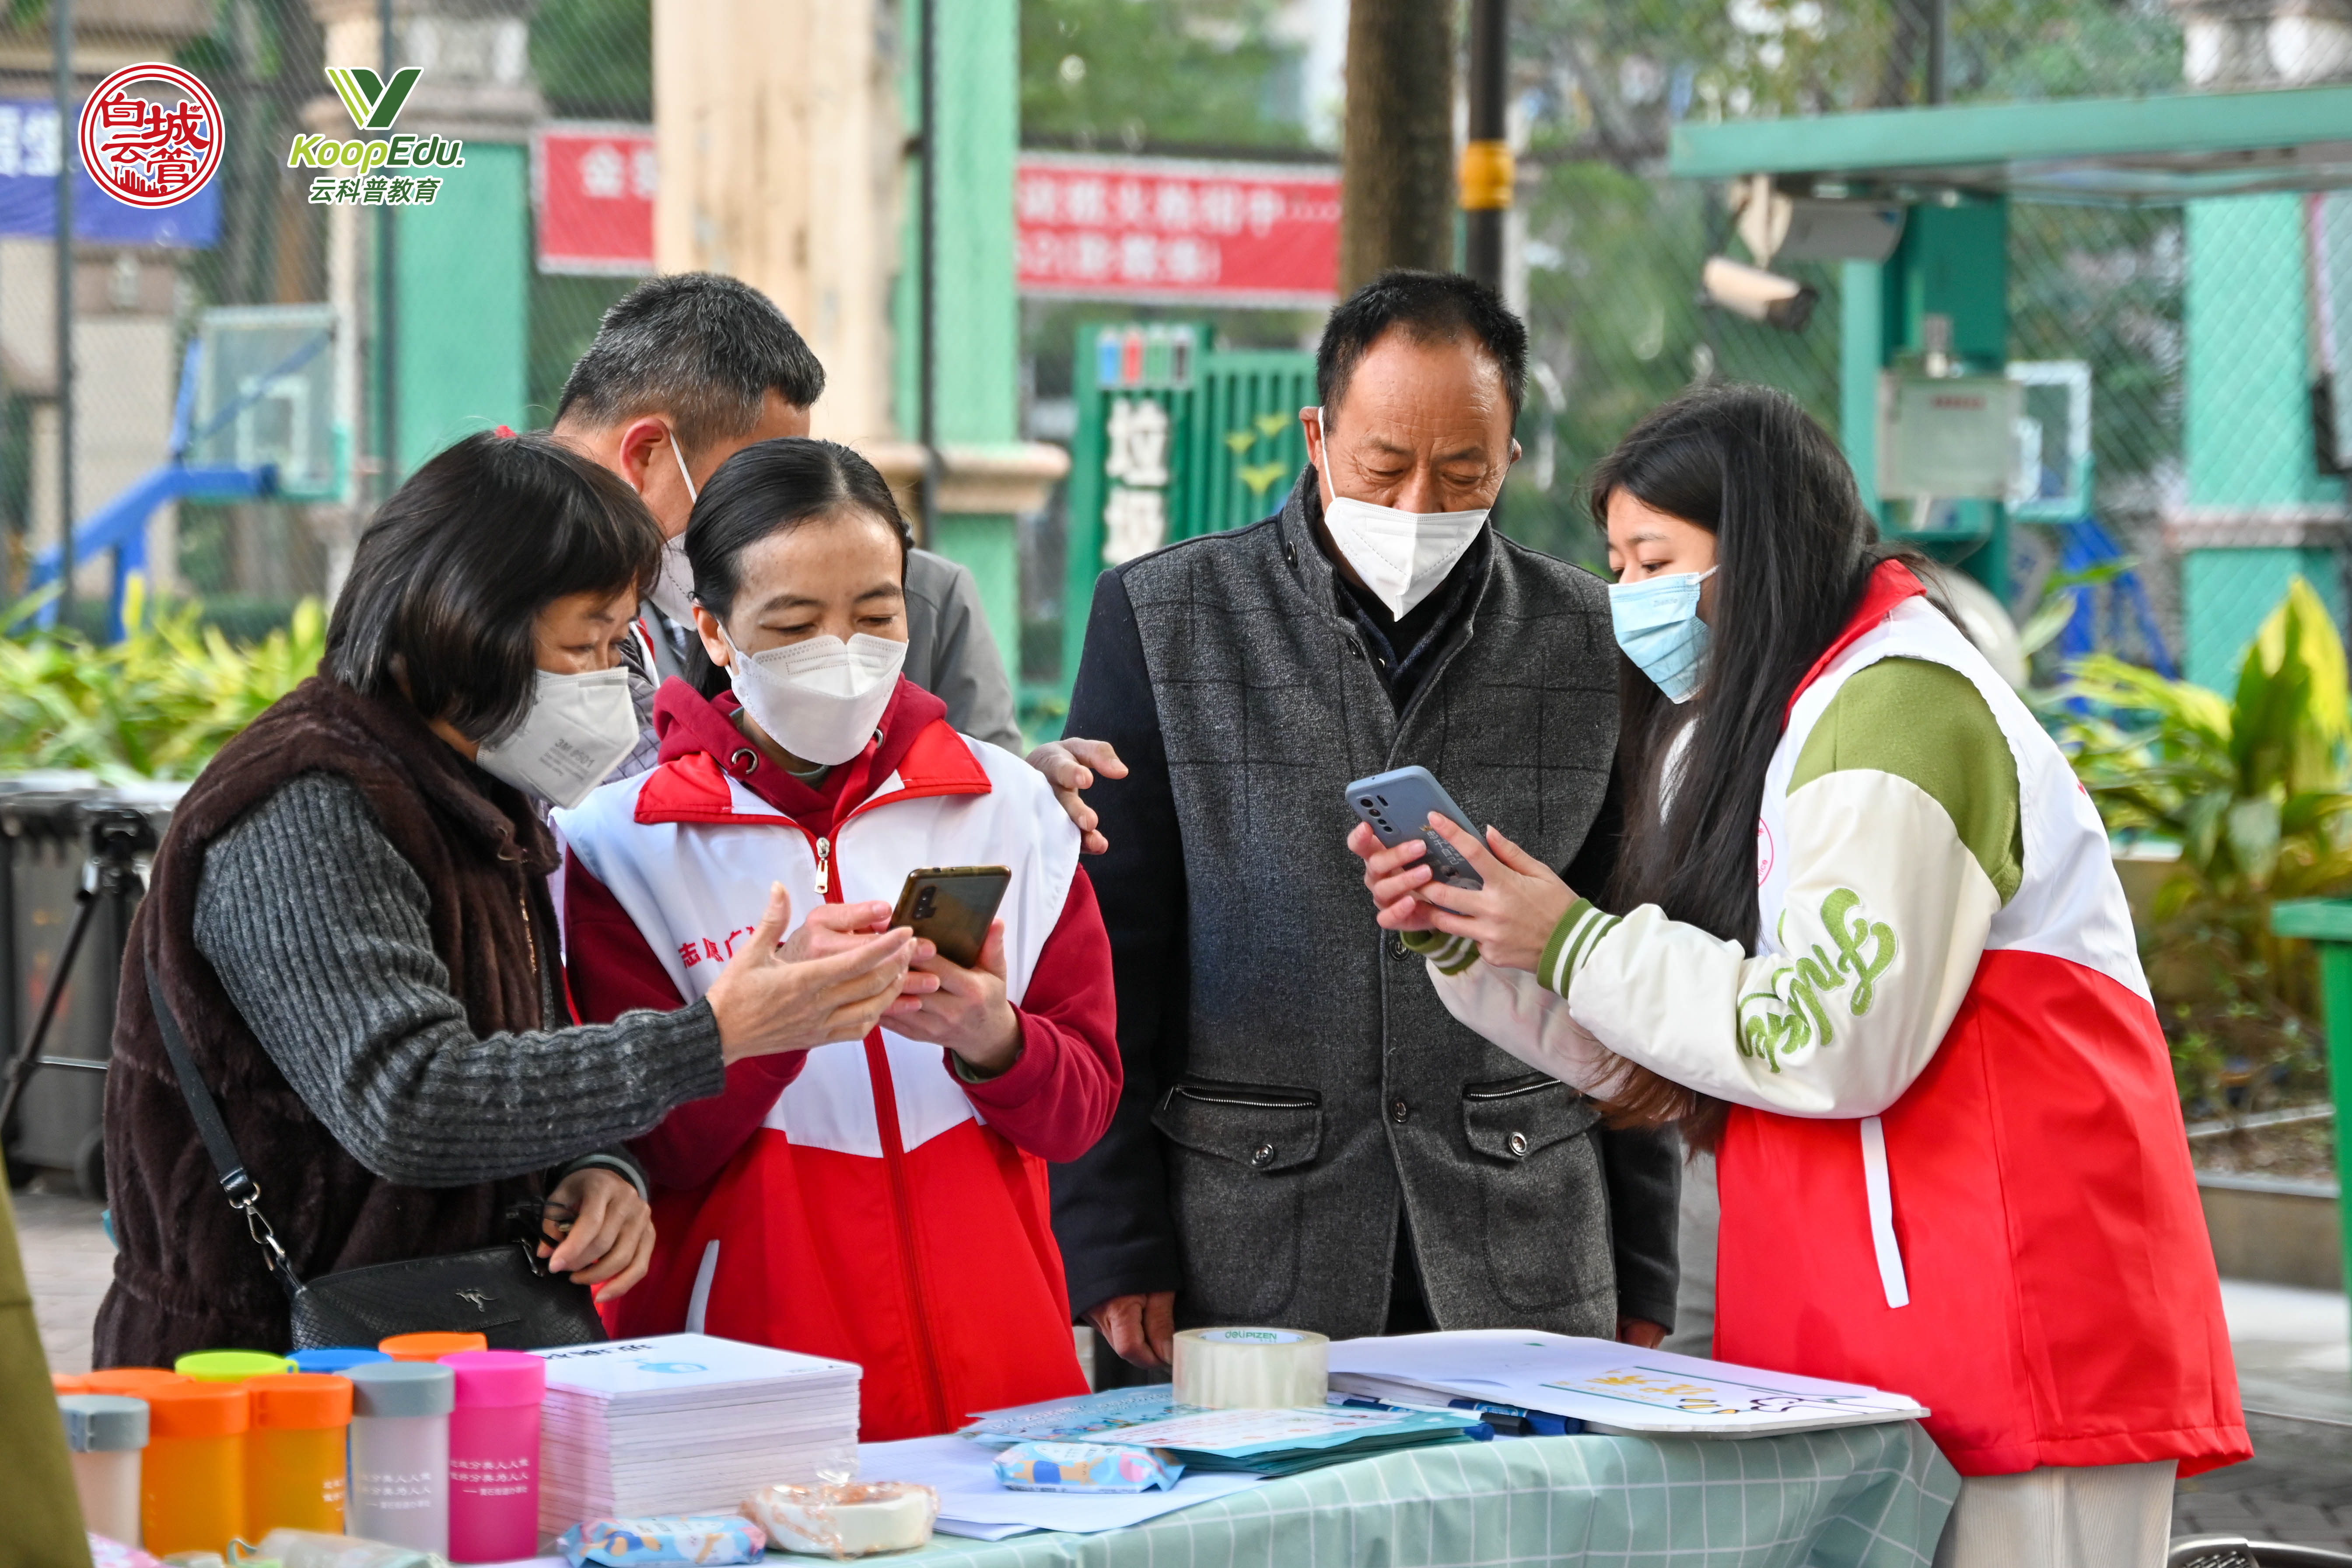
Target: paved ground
[2295,1371]
[70,1262]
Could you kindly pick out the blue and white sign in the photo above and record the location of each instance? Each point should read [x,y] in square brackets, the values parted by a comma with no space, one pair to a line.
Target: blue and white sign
[29,146]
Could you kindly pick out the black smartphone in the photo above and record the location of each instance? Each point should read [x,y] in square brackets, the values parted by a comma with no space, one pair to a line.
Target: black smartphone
[951,908]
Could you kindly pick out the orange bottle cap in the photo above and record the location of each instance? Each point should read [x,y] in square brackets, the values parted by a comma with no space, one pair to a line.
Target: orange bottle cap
[68,1383]
[300,1399]
[430,1347]
[195,1410]
[133,1381]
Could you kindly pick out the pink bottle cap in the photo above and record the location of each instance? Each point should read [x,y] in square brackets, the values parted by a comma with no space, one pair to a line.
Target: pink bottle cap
[496,1378]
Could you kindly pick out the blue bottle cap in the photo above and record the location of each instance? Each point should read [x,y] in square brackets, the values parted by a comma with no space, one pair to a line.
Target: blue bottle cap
[339,1358]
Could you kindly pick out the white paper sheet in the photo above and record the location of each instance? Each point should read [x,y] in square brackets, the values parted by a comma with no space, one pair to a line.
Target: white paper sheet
[962,1472]
[1615,1386]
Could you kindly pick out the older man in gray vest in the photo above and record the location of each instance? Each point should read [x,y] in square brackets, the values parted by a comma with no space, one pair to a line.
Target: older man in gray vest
[1306,1137]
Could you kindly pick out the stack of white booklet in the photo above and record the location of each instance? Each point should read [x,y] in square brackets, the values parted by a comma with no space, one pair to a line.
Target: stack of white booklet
[686,1423]
[1610,1387]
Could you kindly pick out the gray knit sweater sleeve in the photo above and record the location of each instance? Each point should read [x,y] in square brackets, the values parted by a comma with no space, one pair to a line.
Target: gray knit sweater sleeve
[318,927]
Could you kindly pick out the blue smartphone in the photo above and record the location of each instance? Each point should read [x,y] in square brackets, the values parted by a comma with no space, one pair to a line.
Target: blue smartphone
[1396,805]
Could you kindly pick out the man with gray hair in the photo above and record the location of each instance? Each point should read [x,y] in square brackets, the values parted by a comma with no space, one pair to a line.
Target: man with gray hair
[688,370]
[1305,1138]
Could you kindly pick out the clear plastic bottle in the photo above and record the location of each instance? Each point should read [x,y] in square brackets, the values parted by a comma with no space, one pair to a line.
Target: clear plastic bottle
[107,1433]
[400,1454]
[493,1455]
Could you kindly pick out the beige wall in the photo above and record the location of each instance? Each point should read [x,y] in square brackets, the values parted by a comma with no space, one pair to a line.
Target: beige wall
[780,147]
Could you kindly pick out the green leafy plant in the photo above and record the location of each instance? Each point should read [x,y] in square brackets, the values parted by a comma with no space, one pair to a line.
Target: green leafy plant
[155,705]
[2253,790]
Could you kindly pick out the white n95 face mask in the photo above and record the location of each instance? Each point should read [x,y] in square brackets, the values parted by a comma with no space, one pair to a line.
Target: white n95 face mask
[673,589]
[1401,556]
[1657,624]
[819,699]
[577,729]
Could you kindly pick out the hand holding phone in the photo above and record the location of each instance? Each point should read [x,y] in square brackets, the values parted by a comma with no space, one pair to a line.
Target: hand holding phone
[1396,805]
[955,909]
[951,908]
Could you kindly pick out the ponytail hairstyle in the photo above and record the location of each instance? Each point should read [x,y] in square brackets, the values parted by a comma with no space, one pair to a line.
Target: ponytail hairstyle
[770,488]
[1795,548]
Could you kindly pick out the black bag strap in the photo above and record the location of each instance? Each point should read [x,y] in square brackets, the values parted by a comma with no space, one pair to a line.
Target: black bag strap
[243,1194]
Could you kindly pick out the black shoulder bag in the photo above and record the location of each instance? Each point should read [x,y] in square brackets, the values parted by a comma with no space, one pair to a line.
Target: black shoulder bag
[503,1293]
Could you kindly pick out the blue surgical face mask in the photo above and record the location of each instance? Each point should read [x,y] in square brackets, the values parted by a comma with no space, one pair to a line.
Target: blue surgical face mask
[1657,624]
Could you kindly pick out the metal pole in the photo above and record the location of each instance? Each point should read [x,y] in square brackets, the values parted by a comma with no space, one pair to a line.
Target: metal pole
[1486,173]
[927,272]
[387,304]
[61,48]
[1939,51]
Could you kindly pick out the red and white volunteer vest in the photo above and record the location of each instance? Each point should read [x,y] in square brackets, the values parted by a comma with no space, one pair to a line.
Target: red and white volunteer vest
[2016,1243]
[874,1216]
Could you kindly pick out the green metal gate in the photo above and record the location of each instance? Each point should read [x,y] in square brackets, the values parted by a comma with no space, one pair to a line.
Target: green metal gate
[1175,439]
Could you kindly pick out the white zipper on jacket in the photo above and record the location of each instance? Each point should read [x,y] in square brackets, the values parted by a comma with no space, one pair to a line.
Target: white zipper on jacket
[824,867]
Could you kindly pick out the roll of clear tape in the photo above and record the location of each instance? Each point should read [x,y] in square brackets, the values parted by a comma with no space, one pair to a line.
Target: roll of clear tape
[1251,1369]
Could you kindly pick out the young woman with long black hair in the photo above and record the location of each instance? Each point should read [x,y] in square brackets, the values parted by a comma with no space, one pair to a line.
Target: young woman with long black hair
[1873,951]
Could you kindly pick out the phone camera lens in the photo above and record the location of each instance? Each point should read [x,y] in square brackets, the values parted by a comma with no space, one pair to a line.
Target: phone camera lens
[925,903]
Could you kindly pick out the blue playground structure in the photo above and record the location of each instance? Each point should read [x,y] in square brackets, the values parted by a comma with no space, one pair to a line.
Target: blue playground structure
[120,527]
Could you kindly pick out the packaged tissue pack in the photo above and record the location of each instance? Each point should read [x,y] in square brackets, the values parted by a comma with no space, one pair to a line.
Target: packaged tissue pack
[1084,1468]
[712,1538]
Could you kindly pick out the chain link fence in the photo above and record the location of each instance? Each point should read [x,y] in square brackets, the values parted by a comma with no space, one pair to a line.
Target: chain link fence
[260,239]
[1612,247]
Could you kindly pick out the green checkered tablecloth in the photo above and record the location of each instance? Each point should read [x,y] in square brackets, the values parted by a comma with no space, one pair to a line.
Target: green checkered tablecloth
[1861,1497]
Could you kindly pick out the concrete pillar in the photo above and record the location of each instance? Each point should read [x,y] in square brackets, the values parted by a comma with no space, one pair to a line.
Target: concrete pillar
[782,128]
[781,164]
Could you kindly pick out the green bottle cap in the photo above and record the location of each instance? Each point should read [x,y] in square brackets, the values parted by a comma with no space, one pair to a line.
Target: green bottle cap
[229,1366]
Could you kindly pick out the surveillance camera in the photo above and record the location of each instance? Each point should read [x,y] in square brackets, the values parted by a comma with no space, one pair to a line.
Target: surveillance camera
[1759,295]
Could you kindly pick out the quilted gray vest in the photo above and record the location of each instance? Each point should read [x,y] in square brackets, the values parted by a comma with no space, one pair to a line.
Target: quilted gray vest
[1325,1083]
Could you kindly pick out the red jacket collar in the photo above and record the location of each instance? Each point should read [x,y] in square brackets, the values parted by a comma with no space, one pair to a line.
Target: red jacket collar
[702,748]
[1890,583]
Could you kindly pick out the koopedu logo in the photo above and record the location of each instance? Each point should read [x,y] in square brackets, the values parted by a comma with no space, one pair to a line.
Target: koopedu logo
[379,170]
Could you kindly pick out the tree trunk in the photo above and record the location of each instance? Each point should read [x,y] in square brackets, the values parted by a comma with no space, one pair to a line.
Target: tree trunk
[1396,166]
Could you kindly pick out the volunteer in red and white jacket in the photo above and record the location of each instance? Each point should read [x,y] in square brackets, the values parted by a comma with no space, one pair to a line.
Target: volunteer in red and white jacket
[1875,940]
[882,1201]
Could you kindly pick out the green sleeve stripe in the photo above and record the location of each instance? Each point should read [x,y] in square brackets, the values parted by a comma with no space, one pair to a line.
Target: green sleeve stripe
[1571,943]
[1451,955]
[1548,967]
[1928,723]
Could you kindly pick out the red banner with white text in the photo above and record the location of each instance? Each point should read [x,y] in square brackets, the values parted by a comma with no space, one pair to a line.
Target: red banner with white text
[593,188]
[1177,231]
